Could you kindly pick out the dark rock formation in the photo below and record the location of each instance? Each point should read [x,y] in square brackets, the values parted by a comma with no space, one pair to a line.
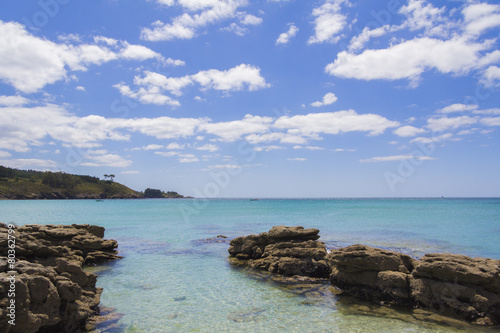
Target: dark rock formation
[451,285]
[284,250]
[437,287]
[52,291]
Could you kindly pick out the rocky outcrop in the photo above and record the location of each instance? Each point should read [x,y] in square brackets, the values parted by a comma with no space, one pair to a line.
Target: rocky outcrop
[52,291]
[284,250]
[436,287]
[448,284]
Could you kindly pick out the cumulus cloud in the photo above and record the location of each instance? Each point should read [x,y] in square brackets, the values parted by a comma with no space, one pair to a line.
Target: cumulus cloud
[285,37]
[13,101]
[29,63]
[444,43]
[445,123]
[458,107]
[234,130]
[407,131]
[152,86]
[187,24]
[335,123]
[409,59]
[99,158]
[328,99]
[329,22]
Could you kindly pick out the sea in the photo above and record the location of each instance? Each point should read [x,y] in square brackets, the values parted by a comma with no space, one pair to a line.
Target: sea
[175,275]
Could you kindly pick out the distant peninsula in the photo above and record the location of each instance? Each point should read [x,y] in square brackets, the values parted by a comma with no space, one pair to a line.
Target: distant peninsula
[32,184]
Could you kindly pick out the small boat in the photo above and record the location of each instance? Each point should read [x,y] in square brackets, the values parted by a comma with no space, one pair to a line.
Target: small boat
[254,199]
[99,200]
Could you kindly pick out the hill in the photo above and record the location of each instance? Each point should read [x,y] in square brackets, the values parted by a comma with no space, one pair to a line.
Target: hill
[32,184]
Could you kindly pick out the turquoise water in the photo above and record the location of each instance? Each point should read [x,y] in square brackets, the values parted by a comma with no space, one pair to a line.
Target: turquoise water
[172,279]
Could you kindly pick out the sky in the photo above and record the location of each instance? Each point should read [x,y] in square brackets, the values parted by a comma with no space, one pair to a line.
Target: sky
[269,98]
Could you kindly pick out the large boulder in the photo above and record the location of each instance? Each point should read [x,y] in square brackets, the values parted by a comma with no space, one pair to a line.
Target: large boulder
[284,250]
[52,291]
[371,273]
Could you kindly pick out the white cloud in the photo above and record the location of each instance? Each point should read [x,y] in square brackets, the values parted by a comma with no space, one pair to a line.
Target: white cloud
[407,131]
[29,63]
[458,107]
[396,158]
[224,166]
[129,172]
[275,136]
[175,146]
[480,17]
[329,22]
[251,20]
[443,124]
[187,158]
[423,15]
[234,130]
[152,86]
[443,137]
[233,27]
[29,163]
[4,154]
[359,41]
[409,59]
[102,158]
[13,101]
[80,88]
[491,76]
[300,159]
[495,111]
[328,99]
[285,37]
[267,148]
[335,123]
[491,121]
[186,25]
[448,45]
[153,147]
[208,147]
[308,147]
[237,78]
[167,153]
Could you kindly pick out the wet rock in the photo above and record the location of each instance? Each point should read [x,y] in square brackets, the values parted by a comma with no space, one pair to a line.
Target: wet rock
[283,250]
[53,293]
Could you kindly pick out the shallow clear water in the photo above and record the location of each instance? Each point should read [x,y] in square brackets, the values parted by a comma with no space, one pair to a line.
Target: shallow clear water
[172,279]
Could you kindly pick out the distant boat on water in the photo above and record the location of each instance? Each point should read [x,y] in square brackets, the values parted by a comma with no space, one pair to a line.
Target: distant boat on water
[254,199]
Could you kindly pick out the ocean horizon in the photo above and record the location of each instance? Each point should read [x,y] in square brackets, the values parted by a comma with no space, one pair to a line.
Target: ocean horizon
[175,276]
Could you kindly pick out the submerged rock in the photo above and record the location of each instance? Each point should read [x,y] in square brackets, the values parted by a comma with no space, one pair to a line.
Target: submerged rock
[284,250]
[52,291]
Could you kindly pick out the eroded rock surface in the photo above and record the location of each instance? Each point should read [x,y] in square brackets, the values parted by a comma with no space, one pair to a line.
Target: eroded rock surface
[448,284]
[284,250]
[52,291]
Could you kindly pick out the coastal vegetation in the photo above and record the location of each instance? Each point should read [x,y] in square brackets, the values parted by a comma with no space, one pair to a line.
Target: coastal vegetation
[32,184]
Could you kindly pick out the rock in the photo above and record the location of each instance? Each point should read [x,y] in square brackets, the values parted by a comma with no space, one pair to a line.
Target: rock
[438,287]
[284,250]
[451,285]
[53,292]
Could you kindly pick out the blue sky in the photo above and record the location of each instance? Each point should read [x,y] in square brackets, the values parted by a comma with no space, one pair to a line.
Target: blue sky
[236,98]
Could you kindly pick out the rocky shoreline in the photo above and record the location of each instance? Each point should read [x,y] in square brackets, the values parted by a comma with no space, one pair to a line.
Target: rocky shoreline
[52,291]
[450,285]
